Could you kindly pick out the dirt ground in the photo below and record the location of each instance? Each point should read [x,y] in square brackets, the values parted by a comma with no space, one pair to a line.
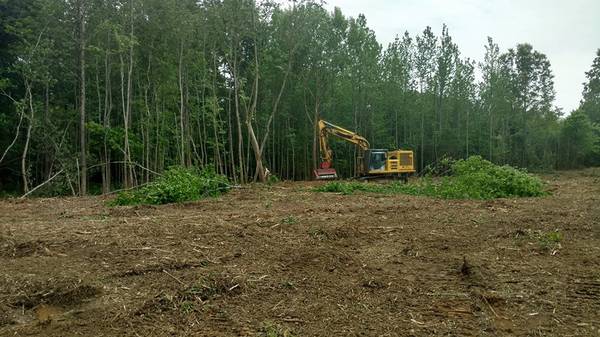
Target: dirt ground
[282,260]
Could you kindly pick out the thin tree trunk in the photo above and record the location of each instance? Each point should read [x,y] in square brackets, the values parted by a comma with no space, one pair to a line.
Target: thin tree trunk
[181,105]
[82,115]
[230,137]
[106,172]
[129,181]
[125,124]
[21,114]
[24,173]
[146,127]
[239,124]
[422,154]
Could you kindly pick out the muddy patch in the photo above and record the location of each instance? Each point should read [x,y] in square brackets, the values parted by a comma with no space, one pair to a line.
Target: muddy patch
[61,295]
[16,249]
[193,298]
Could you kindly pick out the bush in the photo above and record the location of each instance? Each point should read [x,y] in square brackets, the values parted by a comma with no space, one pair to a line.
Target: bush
[272,179]
[472,178]
[177,184]
[477,178]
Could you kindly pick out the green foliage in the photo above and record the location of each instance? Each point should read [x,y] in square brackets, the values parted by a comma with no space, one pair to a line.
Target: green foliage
[186,307]
[177,184]
[271,329]
[290,220]
[477,178]
[114,137]
[591,91]
[580,141]
[472,178]
[420,92]
[273,179]
[550,240]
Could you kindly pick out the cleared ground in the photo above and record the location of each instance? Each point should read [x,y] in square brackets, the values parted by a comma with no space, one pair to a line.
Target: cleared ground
[286,261]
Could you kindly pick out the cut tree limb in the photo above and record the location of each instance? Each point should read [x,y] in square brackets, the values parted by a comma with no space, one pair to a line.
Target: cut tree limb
[40,185]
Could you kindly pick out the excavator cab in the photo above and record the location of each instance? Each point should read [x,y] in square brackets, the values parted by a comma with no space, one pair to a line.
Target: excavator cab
[375,160]
[381,162]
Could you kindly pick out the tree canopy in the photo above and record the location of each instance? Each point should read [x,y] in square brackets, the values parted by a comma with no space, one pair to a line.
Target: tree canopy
[109,93]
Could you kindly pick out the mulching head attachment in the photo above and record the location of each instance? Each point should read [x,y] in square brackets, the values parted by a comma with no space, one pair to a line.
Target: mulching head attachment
[325,174]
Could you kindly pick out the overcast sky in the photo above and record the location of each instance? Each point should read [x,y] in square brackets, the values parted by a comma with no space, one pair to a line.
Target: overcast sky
[567,31]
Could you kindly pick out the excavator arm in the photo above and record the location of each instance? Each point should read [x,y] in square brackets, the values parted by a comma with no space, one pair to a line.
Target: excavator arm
[325,129]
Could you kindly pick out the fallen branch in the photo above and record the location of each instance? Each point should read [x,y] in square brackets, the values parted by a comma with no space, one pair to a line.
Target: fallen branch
[126,162]
[16,133]
[175,278]
[40,185]
[125,189]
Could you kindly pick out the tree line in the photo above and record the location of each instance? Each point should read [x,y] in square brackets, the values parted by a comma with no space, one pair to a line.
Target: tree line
[98,95]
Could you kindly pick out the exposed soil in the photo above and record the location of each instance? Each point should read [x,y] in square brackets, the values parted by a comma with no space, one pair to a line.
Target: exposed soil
[285,261]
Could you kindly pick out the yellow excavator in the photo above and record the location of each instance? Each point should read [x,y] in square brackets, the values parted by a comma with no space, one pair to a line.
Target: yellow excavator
[371,163]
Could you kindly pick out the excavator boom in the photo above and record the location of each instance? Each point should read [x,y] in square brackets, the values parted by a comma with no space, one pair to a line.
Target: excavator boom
[325,171]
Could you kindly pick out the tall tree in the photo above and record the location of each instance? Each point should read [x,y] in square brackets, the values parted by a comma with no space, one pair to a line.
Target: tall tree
[82,116]
[590,103]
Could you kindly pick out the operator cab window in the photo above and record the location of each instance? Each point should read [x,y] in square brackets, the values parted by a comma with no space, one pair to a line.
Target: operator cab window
[377,161]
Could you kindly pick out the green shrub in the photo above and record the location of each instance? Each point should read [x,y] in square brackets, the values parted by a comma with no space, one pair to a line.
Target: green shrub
[477,178]
[472,178]
[177,184]
[273,179]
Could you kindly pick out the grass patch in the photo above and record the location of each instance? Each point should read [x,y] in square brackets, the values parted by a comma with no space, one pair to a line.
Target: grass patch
[472,178]
[550,240]
[271,329]
[290,220]
[177,184]
[187,307]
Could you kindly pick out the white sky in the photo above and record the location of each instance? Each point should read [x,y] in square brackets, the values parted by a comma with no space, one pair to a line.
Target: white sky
[567,31]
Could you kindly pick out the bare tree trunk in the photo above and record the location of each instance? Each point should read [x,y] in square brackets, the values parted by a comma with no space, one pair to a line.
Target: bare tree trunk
[105,169]
[157,121]
[217,153]
[239,124]
[147,147]
[467,140]
[315,149]
[201,138]
[128,174]
[21,114]
[82,115]
[24,173]
[125,123]
[181,105]
[249,116]
[230,137]
[422,154]
[106,174]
